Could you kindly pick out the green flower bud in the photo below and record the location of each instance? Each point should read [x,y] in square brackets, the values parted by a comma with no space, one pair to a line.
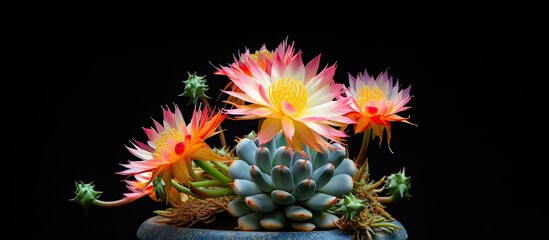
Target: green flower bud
[195,88]
[398,185]
[350,206]
[85,195]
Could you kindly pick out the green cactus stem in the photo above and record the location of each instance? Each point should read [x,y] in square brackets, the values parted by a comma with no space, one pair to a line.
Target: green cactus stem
[398,186]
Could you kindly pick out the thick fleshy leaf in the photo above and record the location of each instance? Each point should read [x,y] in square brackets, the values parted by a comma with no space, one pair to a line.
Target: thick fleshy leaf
[302,169]
[320,202]
[339,185]
[283,156]
[238,208]
[239,170]
[322,175]
[281,140]
[320,159]
[282,178]
[275,220]
[263,160]
[282,197]
[302,226]
[298,213]
[297,156]
[304,190]
[324,220]
[261,203]
[337,155]
[347,166]
[245,188]
[271,145]
[261,179]
[246,149]
[250,222]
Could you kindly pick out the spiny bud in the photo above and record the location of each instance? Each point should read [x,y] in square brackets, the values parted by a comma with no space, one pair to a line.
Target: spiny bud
[251,135]
[195,88]
[398,185]
[350,206]
[224,152]
[85,194]
[158,188]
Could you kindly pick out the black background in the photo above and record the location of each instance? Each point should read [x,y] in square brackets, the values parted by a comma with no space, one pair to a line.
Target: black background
[470,158]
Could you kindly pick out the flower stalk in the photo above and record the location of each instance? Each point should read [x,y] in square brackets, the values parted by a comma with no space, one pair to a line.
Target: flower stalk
[213,172]
[362,159]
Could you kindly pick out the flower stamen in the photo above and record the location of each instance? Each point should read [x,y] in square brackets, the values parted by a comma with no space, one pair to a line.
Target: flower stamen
[256,54]
[289,90]
[367,94]
[162,141]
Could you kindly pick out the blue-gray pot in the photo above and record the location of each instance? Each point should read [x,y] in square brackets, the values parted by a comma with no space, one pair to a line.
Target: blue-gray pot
[150,229]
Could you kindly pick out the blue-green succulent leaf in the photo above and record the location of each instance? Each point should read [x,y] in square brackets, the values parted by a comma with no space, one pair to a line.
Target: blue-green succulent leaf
[245,188]
[324,220]
[337,155]
[274,220]
[297,156]
[347,166]
[238,208]
[282,178]
[304,190]
[239,170]
[262,180]
[320,159]
[283,156]
[339,185]
[271,145]
[302,226]
[261,203]
[281,140]
[302,169]
[320,202]
[246,149]
[282,197]
[250,222]
[263,160]
[298,213]
[322,175]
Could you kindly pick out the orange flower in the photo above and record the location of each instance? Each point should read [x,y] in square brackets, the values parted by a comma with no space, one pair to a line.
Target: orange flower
[173,145]
[376,102]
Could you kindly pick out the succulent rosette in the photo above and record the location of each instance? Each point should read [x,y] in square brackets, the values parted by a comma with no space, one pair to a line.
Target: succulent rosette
[280,187]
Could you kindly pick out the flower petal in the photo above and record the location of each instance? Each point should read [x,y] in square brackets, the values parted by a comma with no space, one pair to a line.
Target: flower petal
[288,126]
[288,109]
[269,129]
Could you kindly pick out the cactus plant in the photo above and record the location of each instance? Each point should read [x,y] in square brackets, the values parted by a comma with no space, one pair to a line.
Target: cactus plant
[279,187]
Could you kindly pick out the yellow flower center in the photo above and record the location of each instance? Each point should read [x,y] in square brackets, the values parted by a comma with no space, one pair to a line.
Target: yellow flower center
[162,141]
[366,94]
[256,54]
[289,90]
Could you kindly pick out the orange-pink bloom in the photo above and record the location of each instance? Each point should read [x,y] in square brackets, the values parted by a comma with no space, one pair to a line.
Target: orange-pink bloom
[291,97]
[263,59]
[173,145]
[376,102]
